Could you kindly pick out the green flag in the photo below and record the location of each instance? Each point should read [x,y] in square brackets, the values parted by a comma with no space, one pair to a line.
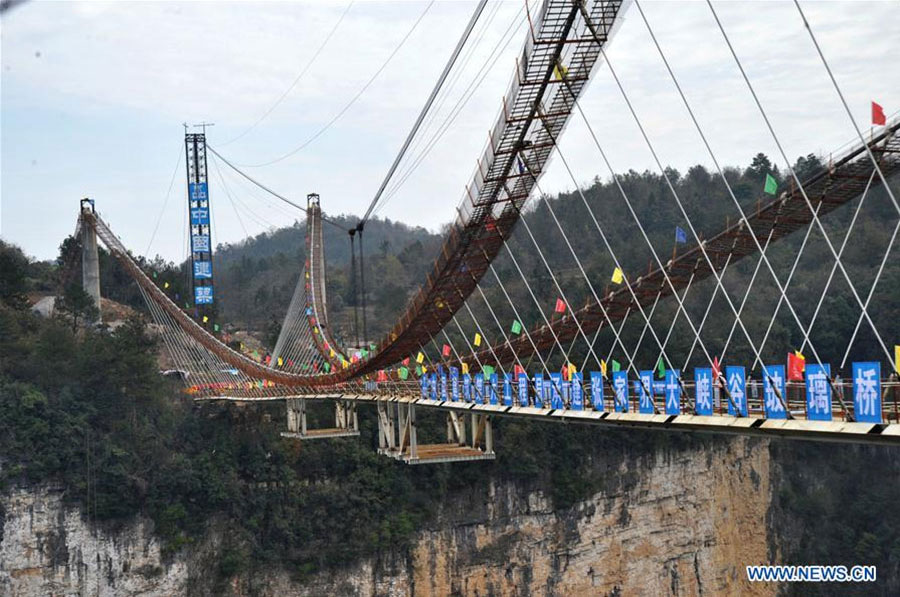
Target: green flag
[403,372]
[771,186]
[660,368]
[616,366]
[216,327]
[327,367]
[419,370]
[487,370]
[516,327]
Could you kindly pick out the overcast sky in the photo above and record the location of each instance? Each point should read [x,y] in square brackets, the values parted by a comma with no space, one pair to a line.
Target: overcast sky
[94,94]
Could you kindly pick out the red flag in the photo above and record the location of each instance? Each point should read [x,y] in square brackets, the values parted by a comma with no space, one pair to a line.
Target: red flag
[445,351]
[565,372]
[489,225]
[716,369]
[517,370]
[878,115]
[560,306]
[405,362]
[382,376]
[796,366]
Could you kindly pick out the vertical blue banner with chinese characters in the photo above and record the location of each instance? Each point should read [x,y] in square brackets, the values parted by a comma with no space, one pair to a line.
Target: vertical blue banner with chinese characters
[556,382]
[467,387]
[523,389]
[773,387]
[539,390]
[507,389]
[478,390]
[597,390]
[737,387]
[703,390]
[818,392]
[642,388]
[444,385]
[454,384]
[493,389]
[867,392]
[673,392]
[620,387]
[576,400]
[423,381]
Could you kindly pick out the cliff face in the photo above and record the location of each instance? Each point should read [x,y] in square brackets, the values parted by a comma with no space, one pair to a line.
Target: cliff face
[678,522]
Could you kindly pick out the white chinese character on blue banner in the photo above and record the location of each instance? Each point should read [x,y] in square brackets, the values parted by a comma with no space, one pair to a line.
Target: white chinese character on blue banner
[556,382]
[867,392]
[200,244]
[202,270]
[432,384]
[443,386]
[454,384]
[467,387]
[642,388]
[818,392]
[492,395]
[198,191]
[620,387]
[203,295]
[673,392]
[703,388]
[597,390]
[507,389]
[478,390]
[539,390]
[737,388]
[200,215]
[523,389]
[576,400]
[772,383]
[423,381]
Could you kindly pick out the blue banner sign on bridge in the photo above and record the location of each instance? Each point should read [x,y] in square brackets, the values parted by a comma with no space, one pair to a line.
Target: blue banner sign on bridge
[467,387]
[478,390]
[507,389]
[642,388]
[432,386]
[199,194]
[867,392]
[703,390]
[444,385]
[577,393]
[773,387]
[539,390]
[818,392]
[556,382]
[423,382]
[673,392]
[597,390]
[493,393]
[203,295]
[620,387]
[523,389]
[200,243]
[736,379]
[454,384]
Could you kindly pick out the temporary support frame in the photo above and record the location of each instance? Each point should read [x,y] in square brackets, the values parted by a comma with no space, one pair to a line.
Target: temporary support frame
[397,436]
[346,423]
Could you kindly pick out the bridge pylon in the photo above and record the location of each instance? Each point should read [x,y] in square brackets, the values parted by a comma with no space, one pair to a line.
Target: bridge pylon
[90,258]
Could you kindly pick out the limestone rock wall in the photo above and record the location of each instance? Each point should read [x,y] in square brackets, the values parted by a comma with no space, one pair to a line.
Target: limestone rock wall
[679,522]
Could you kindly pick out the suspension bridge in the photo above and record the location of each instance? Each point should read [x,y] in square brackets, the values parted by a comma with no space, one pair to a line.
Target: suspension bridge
[472,376]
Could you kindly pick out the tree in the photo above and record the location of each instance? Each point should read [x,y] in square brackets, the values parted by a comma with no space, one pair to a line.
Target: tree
[77,304]
[13,276]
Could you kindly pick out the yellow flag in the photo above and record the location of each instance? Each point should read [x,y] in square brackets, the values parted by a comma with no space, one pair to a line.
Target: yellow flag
[280,361]
[617,276]
[331,352]
[420,358]
[465,368]
[572,370]
[477,339]
[560,71]
[307,275]
[799,354]
[166,285]
[897,358]
[344,364]
[603,367]
[205,319]
[424,368]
